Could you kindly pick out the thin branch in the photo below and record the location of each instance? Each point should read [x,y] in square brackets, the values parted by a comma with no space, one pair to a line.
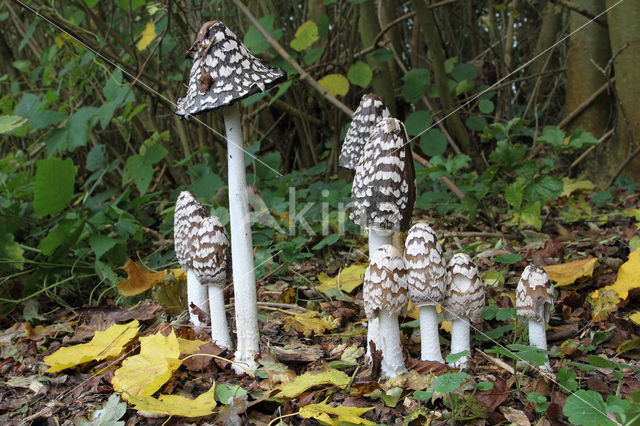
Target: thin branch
[580,10]
[584,105]
[604,137]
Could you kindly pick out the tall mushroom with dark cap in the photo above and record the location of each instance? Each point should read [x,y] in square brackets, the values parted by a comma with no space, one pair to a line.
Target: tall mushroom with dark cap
[223,72]
[426,277]
[210,262]
[187,217]
[383,191]
[463,303]
[385,296]
[534,299]
[370,111]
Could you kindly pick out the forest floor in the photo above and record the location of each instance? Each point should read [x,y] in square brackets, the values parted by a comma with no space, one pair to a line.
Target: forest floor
[307,329]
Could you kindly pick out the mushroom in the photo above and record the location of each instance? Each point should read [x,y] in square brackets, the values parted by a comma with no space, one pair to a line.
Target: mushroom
[187,217]
[383,191]
[534,299]
[369,112]
[385,296]
[223,72]
[426,277]
[463,303]
[210,266]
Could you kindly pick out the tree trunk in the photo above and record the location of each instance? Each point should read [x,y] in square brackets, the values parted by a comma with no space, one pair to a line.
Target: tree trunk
[624,33]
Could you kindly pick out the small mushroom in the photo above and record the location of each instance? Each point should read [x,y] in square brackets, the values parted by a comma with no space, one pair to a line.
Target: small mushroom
[369,112]
[426,277]
[463,303]
[534,299]
[223,72]
[383,191]
[187,217]
[385,296]
[210,263]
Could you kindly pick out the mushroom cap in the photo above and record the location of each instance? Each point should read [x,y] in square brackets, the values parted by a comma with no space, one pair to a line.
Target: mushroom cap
[211,259]
[384,286]
[186,222]
[383,191]
[534,295]
[426,268]
[223,71]
[370,111]
[465,290]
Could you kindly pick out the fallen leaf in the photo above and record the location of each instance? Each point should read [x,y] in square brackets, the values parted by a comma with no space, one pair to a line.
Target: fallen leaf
[145,373]
[569,186]
[495,396]
[311,323]
[323,412]
[103,345]
[311,379]
[567,273]
[414,312]
[635,317]
[607,299]
[175,405]
[279,373]
[515,416]
[352,353]
[347,279]
[108,416]
[629,345]
[148,35]
[138,279]
[188,346]
[298,354]
[30,382]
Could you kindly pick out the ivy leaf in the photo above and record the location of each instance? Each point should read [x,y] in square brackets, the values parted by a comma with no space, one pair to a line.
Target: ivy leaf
[336,84]
[54,183]
[305,36]
[360,74]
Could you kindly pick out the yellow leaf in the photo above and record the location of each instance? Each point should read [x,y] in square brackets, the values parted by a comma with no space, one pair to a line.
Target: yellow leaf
[148,35]
[628,276]
[145,373]
[138,279]
[175,405]
[413,311]
[446,326]
[323,412]
[311,379]
[605,301]
[311,322]
[188,347]
[347,279]
[305,36]
[569,186]
[635,317]
[567,273]
[336,84]
[179,274]
[103,345]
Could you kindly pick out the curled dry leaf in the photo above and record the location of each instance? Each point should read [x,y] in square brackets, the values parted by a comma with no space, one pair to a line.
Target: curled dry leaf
[138,279]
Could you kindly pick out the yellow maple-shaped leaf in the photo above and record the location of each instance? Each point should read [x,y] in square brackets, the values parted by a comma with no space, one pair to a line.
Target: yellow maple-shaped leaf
[311,379]
[311,322]
[103,345]
[175,405]
[148,35]
[628,276]
[347,279]
[567,273]
[145,373]
[323,412]
[336,84]
[189,347]
[635,317]
[138,279]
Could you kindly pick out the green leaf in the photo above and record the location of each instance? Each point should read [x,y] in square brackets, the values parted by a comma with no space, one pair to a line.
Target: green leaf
[507,155]
[226,393]
[581,139]
[105,272]
[553,136]
[536,397]
[543,189]
[423,395]
[414,82]
[509,259]
[449,382]
[484,386]
[329,240]
[567,379]
[313,55]
[601,362]
[8,123]
[10,250]
[449,64]
[382,55]
[486,106]
[530,215]
[504,314]
[417,122]
[100,244]
[586,407]
[433,142]
[360,74]
[464,72]
[97,158]
[58,236]
[255,41]
[305,36]
[54,183]
[453,358]
[336,84]
[474,122]
[79,126]
[153,152]
[107,416]
[513,193]
[138,172]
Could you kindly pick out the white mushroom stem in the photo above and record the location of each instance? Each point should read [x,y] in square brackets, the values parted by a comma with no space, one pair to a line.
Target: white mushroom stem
[460,340]
[392,358]
[196,294]
[538,335]
[244,280]
[376,240]
[429,338]
[219,327]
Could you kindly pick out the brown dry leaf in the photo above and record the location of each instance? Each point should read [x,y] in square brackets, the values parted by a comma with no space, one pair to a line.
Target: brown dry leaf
[138,279]
[494,397]
[311,323]
[514,416]
[279,373]
[567,273]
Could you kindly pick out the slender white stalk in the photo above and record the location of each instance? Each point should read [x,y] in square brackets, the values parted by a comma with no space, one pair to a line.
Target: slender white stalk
[392,358]
[244,280]
[538,338]
[460,340]
[219,327]
[196,294]
[376,240]
[429,338]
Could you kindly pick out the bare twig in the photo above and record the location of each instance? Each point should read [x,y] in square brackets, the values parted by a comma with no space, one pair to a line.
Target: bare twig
[604,137]
[580,10]
[584,105]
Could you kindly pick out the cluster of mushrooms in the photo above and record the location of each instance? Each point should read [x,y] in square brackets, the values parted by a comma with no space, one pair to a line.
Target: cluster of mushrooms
[383,194]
